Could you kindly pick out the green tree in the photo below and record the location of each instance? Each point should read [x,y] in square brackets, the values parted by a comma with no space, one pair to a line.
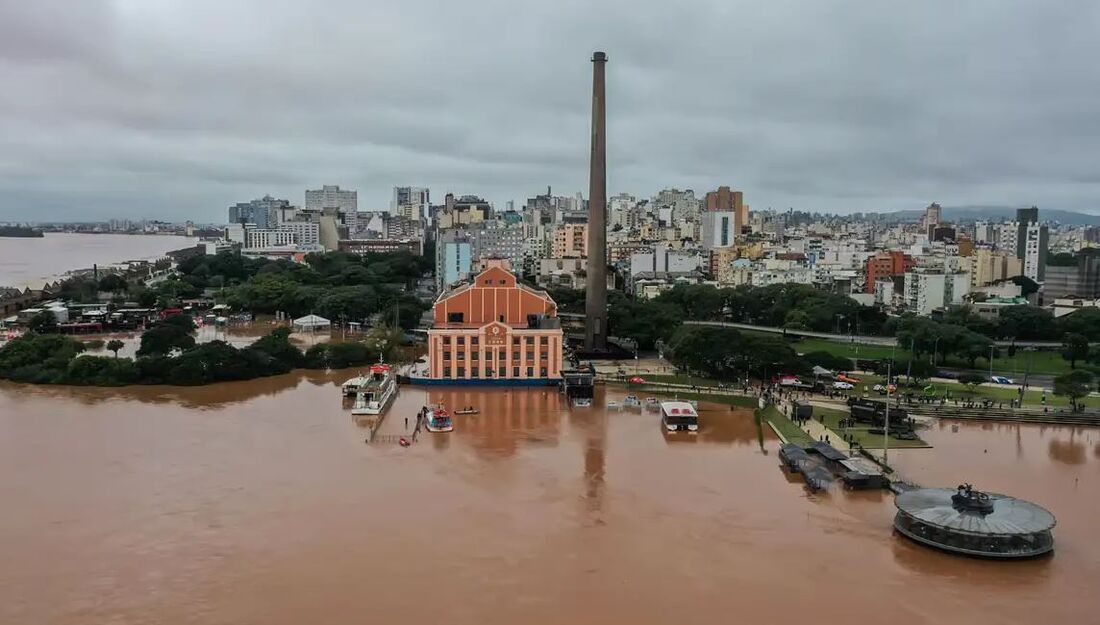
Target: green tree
[918,369]
[828,361]
[966,344]
[1026,323]
[385,341]
[1084,321]
[972,379]
[43,322]
[112,283]
[1074,385]
[1074,347]
[114,345]
[163,339]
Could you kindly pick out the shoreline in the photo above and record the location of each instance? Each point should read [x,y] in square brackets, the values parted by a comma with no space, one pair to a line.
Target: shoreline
[20,280]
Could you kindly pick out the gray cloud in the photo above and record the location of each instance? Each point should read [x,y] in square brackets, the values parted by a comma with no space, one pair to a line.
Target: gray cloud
[176,109]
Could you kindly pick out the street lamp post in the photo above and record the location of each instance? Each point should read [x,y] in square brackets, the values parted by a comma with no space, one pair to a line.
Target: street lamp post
[991,363]
[909,365]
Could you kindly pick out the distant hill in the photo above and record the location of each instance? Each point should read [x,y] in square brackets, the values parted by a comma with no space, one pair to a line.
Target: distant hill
[997,213]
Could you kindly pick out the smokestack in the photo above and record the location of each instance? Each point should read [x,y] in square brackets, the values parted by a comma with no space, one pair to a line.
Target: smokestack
[595,305]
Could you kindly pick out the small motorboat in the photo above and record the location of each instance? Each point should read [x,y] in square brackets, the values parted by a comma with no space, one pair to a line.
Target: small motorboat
[467,410]
[436,419]
[632,401]
[404,442]
[582,402]
[614,405]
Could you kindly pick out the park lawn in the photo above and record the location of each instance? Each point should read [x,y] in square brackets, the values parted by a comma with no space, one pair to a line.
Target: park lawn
[678,378]
[679,393]
[996,393]
[1045,362]
[831,417]
[783,425]
[1008,393]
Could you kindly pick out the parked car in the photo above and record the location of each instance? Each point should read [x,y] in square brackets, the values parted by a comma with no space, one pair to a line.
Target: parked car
[947,375]
[843,386]
[1000,379]
[884,389]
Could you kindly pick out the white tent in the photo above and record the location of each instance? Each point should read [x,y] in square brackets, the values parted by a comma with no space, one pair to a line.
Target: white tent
[311,322]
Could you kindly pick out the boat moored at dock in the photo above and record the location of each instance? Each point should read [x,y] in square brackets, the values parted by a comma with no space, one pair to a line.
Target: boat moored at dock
[374,392]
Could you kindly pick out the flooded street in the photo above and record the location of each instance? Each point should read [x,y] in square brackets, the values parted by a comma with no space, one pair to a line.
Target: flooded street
[259,502]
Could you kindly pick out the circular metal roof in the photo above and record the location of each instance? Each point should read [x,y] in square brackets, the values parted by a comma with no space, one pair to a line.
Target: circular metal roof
[1009,516]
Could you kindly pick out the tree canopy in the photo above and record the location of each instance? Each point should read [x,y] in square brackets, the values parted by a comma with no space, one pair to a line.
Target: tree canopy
[1074,385]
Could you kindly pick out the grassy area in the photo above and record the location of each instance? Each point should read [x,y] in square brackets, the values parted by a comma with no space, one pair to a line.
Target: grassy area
[832,416]
[1050,363]
[715,398]
[783,425]
[1003,394]
[678,378]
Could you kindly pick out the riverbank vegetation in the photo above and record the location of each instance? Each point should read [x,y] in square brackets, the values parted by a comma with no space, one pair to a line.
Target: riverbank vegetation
[171,356]
[336,285]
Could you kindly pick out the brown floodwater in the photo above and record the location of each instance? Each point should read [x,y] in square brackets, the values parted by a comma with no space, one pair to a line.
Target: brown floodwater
[260,502]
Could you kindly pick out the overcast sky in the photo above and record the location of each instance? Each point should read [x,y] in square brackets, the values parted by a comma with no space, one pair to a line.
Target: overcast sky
[176,109]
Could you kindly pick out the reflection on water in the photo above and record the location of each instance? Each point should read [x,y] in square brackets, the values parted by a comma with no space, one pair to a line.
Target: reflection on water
[259,502]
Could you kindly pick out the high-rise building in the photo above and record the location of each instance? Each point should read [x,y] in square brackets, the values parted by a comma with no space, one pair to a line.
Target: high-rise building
[725,200]
[263,213]
[1080,279]
[932,216]
[344,203]
[570,241]
[985,232]
[987,266]
[884,265]
[620,212]
[1032,243]
[410,202]
[718,229]
[453,258]
[926,292]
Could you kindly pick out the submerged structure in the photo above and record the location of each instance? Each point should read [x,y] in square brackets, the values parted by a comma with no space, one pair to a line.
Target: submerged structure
[970,522]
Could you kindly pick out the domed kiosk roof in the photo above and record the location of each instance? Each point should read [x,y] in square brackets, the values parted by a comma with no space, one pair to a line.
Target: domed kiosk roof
[968,521]
[1009,515]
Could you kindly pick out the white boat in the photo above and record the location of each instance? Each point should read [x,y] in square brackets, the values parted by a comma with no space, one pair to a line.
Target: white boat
[436,419]
[351,387]
[582,402]
[614,405]
[679,416]
[652,404]
[373,393]
[632,401]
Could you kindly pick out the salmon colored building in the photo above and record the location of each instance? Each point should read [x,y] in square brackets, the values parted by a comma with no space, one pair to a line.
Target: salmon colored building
[884,265]
[494,330]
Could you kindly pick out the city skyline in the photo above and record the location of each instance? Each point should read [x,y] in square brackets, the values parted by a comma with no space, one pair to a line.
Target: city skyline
[112,111]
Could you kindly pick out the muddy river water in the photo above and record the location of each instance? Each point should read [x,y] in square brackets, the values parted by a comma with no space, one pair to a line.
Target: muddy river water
[259,502]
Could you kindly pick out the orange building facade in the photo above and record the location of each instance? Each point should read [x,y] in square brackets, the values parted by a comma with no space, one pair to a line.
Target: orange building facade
[884,265]
[494,330]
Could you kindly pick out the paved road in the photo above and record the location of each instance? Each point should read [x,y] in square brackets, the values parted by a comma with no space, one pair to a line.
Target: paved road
[859,339]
